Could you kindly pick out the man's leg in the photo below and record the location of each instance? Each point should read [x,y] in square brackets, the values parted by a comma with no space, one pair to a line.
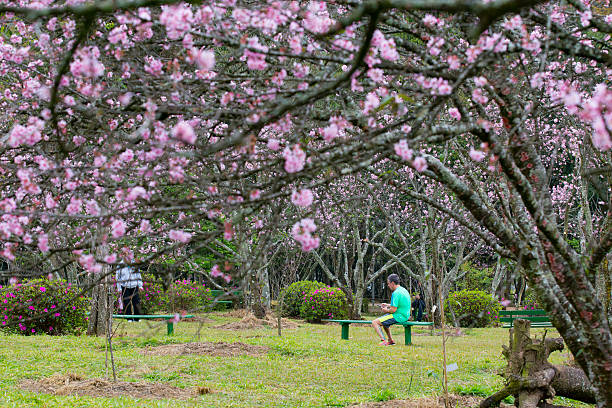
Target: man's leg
[136,303]
[128,301]
[388,331]
[378,329]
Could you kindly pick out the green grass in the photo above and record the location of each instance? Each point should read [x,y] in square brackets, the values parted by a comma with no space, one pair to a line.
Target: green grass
[307,367]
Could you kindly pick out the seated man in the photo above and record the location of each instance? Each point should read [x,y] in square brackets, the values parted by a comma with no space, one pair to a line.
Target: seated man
[399,309]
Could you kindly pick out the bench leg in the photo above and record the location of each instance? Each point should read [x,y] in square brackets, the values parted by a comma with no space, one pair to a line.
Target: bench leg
[408,335]
[345,331]
[170,328]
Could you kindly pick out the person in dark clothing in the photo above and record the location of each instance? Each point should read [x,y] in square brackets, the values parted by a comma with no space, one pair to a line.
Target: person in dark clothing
[129,282]
[418,306]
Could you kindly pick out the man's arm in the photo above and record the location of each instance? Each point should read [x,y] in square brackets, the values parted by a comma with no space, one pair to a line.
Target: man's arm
[138,277]
[388,308]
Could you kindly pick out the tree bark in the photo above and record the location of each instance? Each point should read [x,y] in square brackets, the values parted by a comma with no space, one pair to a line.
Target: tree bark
[101,308]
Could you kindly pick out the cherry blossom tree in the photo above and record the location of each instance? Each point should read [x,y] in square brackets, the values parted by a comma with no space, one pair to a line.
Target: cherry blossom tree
[146,126]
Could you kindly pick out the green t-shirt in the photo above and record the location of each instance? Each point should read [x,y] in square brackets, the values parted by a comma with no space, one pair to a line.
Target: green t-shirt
[400,298]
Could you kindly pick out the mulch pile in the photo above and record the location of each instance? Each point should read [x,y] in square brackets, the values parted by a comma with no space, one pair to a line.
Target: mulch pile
[249,321]
[458,401]
[220,349]
[71,384]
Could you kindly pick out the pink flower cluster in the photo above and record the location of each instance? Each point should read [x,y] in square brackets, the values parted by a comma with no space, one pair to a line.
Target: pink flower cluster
[177,20]
[117,228]
[302,233]
[27,182]
[28,135]
[295,159]
[437,86]
[204,59]
[88,262]
[335,129]
[598,112]
[454,113]
[153,66]
[477,155]
[255,60]
[402,150]
[180,236]
[86,63]
[406,153]
[302,198]
[386,47]
[184,132]
[215,272]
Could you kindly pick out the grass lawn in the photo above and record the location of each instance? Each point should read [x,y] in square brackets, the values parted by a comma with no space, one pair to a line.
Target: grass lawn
[306,367]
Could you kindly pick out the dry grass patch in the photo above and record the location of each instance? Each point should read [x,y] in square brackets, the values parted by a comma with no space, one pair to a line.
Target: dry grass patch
[249,321]
[70,384]
[220,349]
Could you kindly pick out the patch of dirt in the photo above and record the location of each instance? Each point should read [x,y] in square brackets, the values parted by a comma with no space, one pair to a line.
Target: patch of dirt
[249,321]
[459,401]
[221,349]
[70,384]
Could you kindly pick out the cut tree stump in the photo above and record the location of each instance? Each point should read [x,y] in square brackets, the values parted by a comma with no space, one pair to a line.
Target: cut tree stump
[531,379]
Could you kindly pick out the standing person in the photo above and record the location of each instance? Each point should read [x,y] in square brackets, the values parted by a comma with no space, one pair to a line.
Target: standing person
[418,307]
[397,312]
[128,283]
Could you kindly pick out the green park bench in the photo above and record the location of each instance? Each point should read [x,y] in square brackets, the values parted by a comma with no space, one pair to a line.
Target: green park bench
[407,327]
[215,293]
[537,317]
[169,323]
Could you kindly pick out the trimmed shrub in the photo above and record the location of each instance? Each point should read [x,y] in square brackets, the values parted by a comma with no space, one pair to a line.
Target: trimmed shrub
[472,308]
[294,296]
[324,303]
[181,295]
[53,305]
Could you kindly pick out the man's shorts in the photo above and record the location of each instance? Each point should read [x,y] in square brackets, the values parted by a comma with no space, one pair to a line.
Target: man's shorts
[387,320]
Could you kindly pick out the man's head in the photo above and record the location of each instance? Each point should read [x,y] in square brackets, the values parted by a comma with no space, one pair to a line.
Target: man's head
[417,296]
[393,281]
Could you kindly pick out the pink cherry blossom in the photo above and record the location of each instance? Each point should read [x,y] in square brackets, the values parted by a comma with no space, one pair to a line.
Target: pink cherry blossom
[402,150]
[476,155]
[302,198]
[454,113]
[184,132]
[43,242]
[118,228]
[419,164]
[295,158]
[178,235]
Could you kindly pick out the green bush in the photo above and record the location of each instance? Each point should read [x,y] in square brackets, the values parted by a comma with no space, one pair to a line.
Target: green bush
[472,308]
[324,303]
[293,296]
[53,305]
[182,295]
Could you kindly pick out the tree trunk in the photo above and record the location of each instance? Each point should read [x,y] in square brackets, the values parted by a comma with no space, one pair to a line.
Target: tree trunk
[531,378]
[101,307]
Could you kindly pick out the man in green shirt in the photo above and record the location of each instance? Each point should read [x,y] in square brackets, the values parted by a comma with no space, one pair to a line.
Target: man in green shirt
[397,312]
